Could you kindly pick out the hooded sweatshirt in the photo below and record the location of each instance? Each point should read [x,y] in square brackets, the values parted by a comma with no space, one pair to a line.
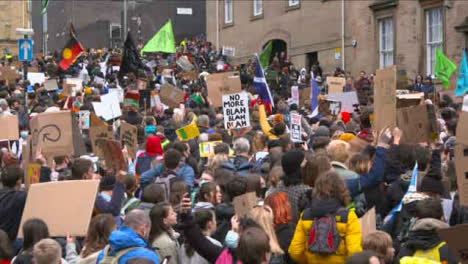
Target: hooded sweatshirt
[124,238]
[423,241]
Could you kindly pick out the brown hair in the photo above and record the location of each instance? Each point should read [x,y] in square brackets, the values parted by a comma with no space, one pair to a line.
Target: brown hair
[178,189]
[359,163]
[253,244]
[98,234]
[259,142]
[275,175]
[254,184]
[377,241]
[317,163]
[329,185]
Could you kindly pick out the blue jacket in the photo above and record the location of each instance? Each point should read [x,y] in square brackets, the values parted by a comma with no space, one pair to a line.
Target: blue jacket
[372,178]
[184,171]
[125,237]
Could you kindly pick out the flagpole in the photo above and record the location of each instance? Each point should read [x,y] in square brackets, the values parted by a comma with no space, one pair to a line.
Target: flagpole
[44,32]
[125,18]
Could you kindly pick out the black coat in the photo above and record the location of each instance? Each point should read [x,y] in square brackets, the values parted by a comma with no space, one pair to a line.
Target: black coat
[11,209]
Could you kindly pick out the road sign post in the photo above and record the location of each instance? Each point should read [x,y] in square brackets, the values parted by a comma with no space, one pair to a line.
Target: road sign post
[25,53]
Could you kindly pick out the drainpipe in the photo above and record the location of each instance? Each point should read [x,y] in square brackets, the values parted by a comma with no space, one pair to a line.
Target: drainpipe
[217,24]
[342,36]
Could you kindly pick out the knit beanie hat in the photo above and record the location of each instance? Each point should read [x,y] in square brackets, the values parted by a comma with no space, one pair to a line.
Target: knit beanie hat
[322,131]
[291,162]
[432,184]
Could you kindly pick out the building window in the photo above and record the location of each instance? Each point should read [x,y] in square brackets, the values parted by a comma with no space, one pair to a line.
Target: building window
[228,11]
[434,37]
[293,2]
[386,42]
[257,7]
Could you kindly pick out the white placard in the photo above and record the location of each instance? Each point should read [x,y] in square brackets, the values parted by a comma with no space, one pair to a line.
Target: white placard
[119,92]
[229,51]
[184,11]
[77,82]
[295,95]
[348,100]
[236,110]
[109,107]
[36,77]
[296,128]
[465,104]
[51,85]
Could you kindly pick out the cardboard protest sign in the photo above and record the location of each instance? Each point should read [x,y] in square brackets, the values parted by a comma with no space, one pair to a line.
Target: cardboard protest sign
[55,134]
[129,138]
[236,110]
[461,168]
[51,85]
[349,100]
[222,83]
[68,207]
[384,98]
[112,154]
[109,107]
[368,222]
[335,84]
[296,127]
[462,127]
[189,76]
[76,85]
[406,100]
[36,77]
[84,117]
[8,74]
[10,129]
[304,96]
[188,132]
[96,122]
[171,96]
[455,237]
[207,148]
[295,94]
[414,123]
[100,132]
[243,204]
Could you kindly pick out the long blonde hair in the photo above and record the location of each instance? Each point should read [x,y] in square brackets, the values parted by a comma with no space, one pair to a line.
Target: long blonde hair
[263,215]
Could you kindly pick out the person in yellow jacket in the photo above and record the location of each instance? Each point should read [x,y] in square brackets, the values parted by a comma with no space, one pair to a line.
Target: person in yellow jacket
[266,128]
[330,198]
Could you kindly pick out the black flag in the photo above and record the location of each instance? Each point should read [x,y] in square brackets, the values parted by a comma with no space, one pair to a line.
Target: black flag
[131,61]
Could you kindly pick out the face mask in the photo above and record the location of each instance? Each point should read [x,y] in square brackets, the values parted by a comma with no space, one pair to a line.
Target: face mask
[24,134]
[232,239]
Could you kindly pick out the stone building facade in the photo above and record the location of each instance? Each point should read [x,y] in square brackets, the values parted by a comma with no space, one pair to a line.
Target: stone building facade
[13,14]
[377,33]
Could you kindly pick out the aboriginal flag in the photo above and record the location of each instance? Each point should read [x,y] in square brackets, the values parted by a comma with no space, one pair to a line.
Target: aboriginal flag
[70,52]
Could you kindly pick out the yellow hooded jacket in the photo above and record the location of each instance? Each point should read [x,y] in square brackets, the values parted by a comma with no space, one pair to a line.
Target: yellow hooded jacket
[350,233]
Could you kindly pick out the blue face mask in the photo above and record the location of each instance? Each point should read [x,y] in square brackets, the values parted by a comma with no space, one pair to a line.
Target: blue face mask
[24,134]
[232,239]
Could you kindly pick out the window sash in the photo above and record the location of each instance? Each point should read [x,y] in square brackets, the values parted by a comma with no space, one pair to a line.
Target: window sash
[257,7]
[434,37]
[227,11]
[293,2]
[386,42]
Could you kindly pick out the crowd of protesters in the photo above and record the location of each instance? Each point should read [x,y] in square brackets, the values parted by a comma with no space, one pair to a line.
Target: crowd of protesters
[173,205]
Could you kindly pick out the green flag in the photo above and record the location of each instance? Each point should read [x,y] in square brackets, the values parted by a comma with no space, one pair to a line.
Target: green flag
[163,41]
[45,3]
[443,68]
[265,55]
